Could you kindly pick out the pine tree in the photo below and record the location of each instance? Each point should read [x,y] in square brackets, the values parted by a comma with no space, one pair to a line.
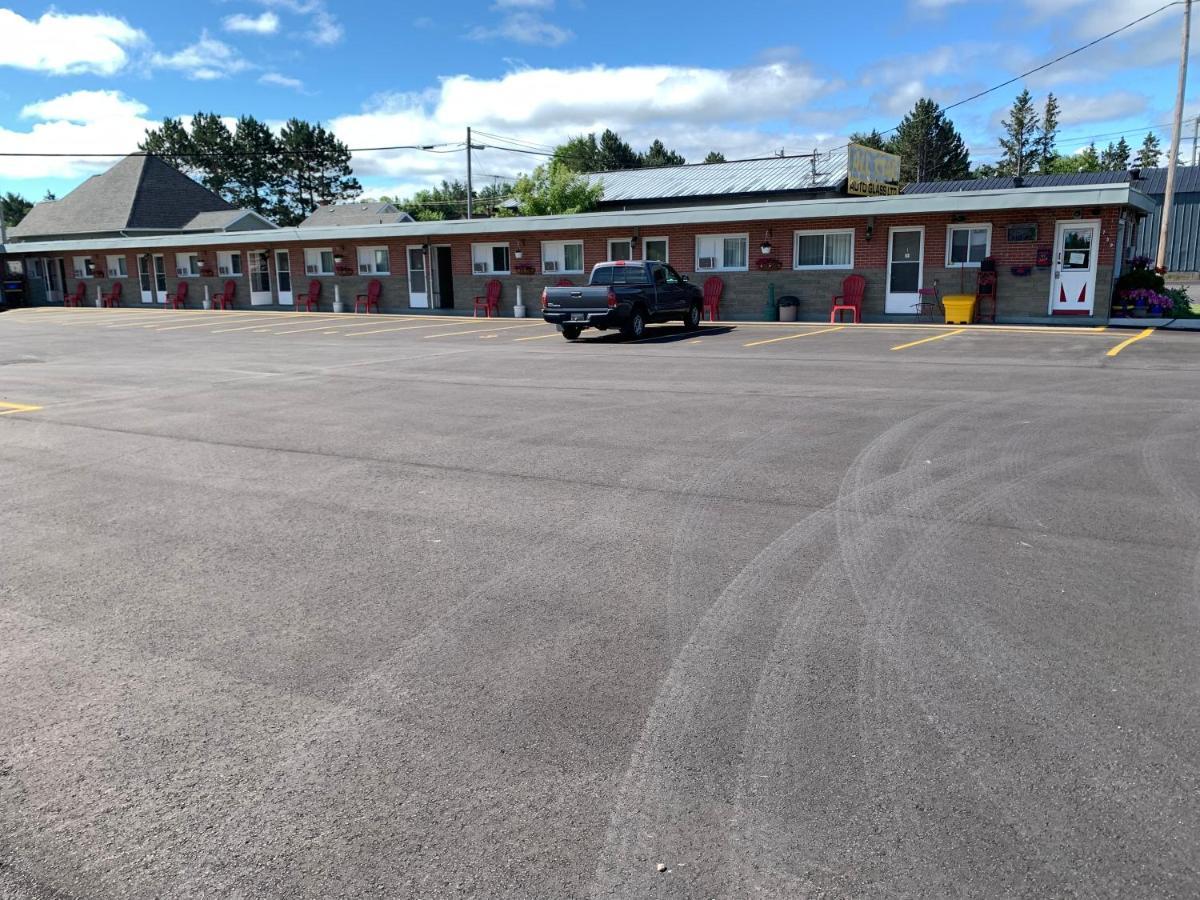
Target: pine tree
[1044,143]
[316,170]
[874,140]
[616,154]
[255,169]
[928,145]
[659,155]
[212,151]
[13,208]
[714,156]
[1088,160]
[580,154]
[1150,153]
[171,143]
[1115,157]
[1021,130]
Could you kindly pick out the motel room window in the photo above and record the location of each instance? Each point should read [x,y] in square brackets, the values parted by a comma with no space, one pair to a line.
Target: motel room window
[656,249]
[229,263]
[319,261]
[562,257]
[968,245]
[721,252]
[187,265]
[83,267]
[374,261]
[489,259]
[824,250]
[117,267]
[620,250]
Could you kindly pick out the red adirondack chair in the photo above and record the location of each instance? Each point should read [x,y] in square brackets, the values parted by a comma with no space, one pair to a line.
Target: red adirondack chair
[374,289]
[77,298]
[565,282]
[113,297]
[849,299]
[180,298]
[224,300]
[490,301]
[713,288]
[310,300]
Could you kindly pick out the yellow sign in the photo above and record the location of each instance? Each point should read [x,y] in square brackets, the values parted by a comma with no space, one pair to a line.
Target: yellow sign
[870,172]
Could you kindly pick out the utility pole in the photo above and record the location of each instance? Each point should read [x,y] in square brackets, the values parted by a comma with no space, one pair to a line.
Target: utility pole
[1160,261]
[469,191]
[1195,137]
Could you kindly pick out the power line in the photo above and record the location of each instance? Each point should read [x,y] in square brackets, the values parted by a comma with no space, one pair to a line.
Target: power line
[431,148]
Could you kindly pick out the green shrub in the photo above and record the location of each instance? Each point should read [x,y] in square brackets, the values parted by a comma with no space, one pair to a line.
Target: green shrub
[1182,308]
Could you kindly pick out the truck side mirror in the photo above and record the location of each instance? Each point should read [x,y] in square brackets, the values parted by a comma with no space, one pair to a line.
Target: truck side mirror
[684,277]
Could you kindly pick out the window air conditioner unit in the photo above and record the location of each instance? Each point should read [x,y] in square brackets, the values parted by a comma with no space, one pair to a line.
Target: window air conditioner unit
[364,268]
[78,273]
[112,273]
[550,265]
[708,262]
[480,268]
[183,273]
[222,270]
[312,270]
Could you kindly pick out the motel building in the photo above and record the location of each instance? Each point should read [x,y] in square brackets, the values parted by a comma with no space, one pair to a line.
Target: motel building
[1056,249]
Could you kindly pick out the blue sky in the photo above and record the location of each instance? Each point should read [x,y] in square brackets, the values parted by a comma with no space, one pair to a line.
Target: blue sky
[745,80]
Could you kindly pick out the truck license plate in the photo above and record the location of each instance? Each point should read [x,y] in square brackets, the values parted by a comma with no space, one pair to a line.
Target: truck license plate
[579,317]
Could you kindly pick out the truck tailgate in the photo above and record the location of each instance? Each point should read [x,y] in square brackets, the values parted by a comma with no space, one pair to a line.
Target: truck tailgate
[591,299]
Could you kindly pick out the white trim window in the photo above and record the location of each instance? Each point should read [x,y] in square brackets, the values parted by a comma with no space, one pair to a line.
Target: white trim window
[318,261]
[722,252]
[967,245]
[374,261]
[620,249]
[229,263]
[117,267]
[83,267]
[824,250]
[656,249]
[187,265]
[489,259]
[562,257]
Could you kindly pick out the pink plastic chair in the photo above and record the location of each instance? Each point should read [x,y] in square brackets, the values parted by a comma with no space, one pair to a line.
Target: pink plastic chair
[180,298]
[849,299]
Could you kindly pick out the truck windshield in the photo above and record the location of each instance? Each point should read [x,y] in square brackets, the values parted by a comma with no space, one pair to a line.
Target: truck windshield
[620,275]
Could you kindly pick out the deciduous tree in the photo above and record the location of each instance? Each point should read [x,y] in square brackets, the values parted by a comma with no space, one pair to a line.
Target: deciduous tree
[554,189]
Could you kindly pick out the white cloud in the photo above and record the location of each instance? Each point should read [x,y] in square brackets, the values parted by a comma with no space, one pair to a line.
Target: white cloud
[83,121]
[63,44]
[206,60]
[524,28]
[274,78]
[267,23]
[321,26]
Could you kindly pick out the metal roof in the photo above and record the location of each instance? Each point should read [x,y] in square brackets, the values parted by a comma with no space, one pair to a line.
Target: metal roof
[826,208]
[372,212]
[825,171]
[1153,181]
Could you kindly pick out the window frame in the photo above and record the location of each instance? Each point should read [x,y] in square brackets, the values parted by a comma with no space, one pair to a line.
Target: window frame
[489,250]
[824,232]
[320,257]
[86,267]
[562,245]
[121,267]
[372,254]
[667,243]
[722,237]
[608,249]
[229,256]
[968,227]
[193,264]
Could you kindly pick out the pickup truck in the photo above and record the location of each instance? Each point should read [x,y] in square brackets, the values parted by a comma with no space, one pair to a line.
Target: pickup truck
[624,295]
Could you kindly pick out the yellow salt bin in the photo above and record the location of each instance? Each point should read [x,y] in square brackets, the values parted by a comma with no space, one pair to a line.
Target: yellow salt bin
[960,308]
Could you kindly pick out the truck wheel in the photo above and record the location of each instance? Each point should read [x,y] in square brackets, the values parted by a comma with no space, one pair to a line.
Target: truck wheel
[691,321]
[635,328]
[571,332]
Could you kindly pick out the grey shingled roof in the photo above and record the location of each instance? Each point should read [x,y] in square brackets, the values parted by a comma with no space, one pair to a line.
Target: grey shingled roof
[363,213]
[223,219]
[139,192]
[749,176]
[1153,181]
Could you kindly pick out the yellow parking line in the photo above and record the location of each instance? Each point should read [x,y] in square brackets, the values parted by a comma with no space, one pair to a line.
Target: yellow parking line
[537,337]
[157,317]
[405,327]
[792,337]
[936,337]
[1125,343]
[207,323]
[7,409]
[322,326]
[482,330]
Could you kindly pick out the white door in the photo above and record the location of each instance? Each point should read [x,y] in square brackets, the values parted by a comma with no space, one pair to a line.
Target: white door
[260,278]
[906,268]
[418,283]
[160,279]
[145,278]
[1073,286]
[283,277]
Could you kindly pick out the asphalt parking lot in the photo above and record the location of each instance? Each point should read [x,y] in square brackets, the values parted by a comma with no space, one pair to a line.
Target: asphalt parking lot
[331,606]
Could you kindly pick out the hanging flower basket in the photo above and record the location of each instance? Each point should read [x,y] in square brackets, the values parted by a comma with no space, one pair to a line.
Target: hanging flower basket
[768,264]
